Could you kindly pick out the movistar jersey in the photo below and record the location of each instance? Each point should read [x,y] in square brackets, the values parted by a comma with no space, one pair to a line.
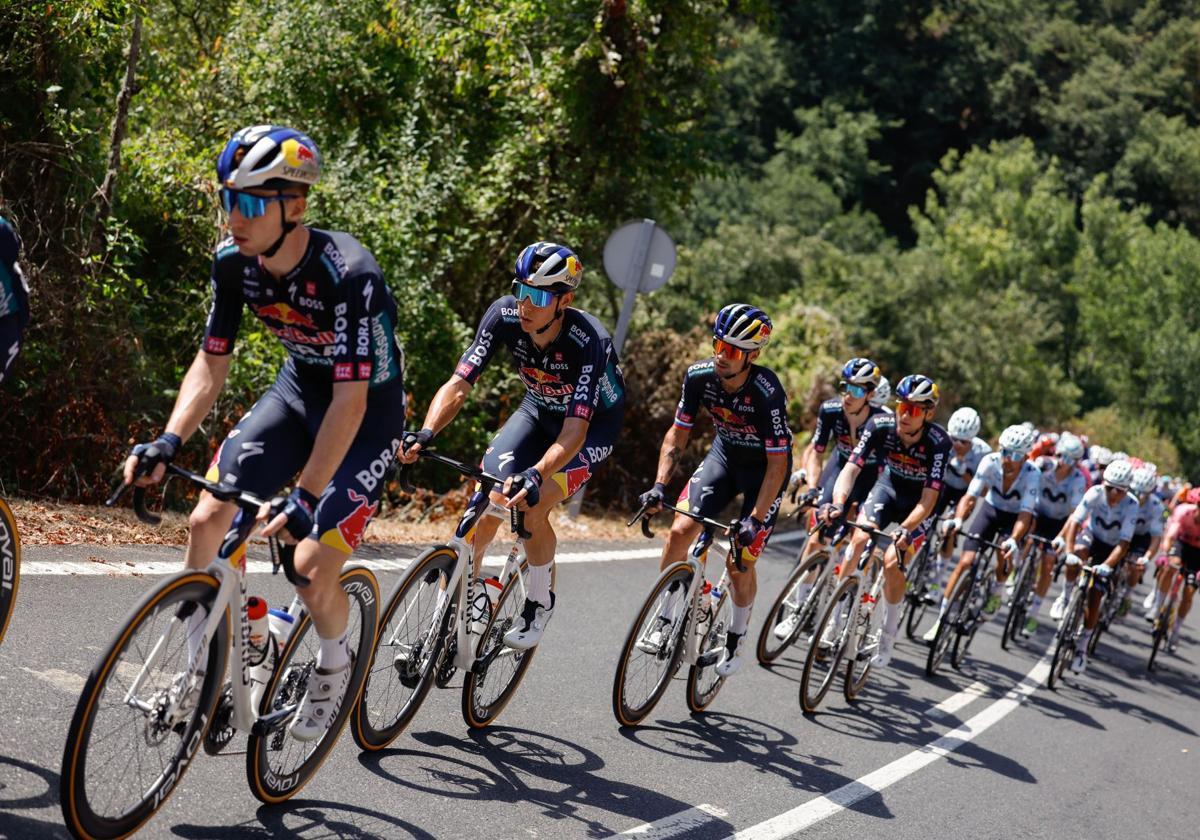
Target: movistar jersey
[1021,496]
[751,422]
[577,375]
[333,313]
[1108,524]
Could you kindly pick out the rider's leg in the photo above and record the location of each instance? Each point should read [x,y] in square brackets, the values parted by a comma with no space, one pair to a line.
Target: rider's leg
[683,531]
[964,564]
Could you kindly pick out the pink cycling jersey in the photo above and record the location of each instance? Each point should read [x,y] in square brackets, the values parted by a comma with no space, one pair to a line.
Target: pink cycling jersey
[1183,526]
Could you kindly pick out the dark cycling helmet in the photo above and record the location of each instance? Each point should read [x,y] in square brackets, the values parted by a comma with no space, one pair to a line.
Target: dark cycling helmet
[918,389]
[744,326]
[269,156]
[546,265]
[860,371]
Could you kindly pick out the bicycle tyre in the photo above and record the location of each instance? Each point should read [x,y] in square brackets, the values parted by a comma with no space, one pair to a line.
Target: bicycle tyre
[10,565]
[916,587]
[393,694]
[1064,641]
[948,629]
[1018,605]
[703,682]
[1159,634]
[770,647]
[287,685]
[79,813]
[631,712]
[845,597]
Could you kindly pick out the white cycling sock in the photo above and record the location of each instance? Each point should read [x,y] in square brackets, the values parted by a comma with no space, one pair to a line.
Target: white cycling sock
[1036,606]
[741,619]
[891,617]
[802,591]
[1084,637]
[942,609]
[537,579]
[334,654]
[195,631]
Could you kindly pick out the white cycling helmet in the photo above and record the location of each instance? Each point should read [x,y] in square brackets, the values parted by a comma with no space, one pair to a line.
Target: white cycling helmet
[1118,474]
[1120,456]
[1070,447]
[1153,467]
[964,424]
[1143,481]
[882,392]
[1102,455]
[1018,439]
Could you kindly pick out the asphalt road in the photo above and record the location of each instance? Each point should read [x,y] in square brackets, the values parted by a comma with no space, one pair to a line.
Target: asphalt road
[1114,753]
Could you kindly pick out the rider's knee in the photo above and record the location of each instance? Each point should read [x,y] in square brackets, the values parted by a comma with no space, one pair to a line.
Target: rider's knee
[208,513]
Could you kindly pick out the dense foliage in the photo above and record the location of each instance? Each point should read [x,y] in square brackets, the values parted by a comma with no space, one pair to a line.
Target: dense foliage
[1000,193]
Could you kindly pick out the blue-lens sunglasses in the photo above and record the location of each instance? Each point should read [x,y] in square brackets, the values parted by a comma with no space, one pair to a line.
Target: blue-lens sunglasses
[538,297]
[250,206]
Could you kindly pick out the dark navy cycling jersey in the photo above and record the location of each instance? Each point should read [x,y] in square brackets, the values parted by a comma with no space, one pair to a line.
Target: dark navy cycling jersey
[14,293]
[577,375]
[911,469]
[333,313]
[751,422]
[832,423]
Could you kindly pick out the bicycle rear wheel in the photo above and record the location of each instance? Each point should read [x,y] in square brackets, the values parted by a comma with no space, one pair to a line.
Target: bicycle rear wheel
[1158,636]
[644,670]
[126,748]
[792,605]
[820,666]
[919,603]
[1018,605]
[703,682]
[278,765]
[948,629]
[10,565]
[410,636]
[1064,641]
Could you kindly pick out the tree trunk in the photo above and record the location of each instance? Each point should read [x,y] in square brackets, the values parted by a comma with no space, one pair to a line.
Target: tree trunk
[109,187]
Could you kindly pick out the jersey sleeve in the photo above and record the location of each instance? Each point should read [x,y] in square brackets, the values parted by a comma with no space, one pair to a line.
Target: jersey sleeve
[593,363]
[1076,489]
[1156,518]
[483,346]
[824,428]
[1128,519]
[1084,507]
[359,295]
[777,439]
[982,479]
[870,443]
[689,402]
[938,457]
[1031,489]
[225,315]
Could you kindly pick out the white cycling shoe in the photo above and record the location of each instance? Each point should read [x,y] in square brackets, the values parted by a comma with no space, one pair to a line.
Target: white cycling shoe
[787,627]
[883,653]
[1059,607]
[1079,664]
[931,634]
[732,660]
[322,700]
[528,629]
[652,641]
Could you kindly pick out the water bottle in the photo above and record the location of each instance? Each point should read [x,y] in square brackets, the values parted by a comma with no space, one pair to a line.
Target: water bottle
[263,651]
[481,599]
[281,623]
[704,608]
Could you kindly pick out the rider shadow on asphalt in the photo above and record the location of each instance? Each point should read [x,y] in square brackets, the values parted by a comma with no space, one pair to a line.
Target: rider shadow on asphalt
[16,792]
[516,755]
[310,817]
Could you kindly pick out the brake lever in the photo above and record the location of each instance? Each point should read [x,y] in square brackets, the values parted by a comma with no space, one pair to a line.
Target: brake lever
[403,480]
[284,555]
[517,520]
[139,507]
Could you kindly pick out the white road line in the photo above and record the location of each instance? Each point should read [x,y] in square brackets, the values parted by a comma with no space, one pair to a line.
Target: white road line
[813,811]
[954,702]
[676,824]
[120,568]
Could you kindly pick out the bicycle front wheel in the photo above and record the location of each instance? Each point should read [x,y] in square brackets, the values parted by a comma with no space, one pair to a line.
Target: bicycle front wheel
[1158,635]
[278,765]
[410,637]
[1018,605]
[10,565]
[653,647]
[919,602]
[948,629]
[1064,642]
[703,681]
[135,730]
[821,663]
[793,609]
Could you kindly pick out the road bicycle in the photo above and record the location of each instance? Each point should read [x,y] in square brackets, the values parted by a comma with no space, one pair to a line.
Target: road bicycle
[1020,602]
[683,619]
[922,592]
[848,628]
[10,565]
[1066,640]
[147,706]
[1168,614]
[964,613]
[426,630]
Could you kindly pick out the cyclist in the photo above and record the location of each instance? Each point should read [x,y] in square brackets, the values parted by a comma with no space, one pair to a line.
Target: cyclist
[335,412]
[1012,484]
[750,454]
[914,451]
[14,298]
[1148,528]
[841,420]
[1062,487]
[967,450]
[1099,529]
[565,427]
[1181,550]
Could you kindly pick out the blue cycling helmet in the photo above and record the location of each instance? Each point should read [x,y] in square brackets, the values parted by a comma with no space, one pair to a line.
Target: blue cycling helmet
[546,265]
[918,389]
[269,156]
[744,326]
[860,371]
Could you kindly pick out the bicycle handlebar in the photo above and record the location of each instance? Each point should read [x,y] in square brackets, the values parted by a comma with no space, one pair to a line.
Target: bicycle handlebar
[487,483]
[282,554]
[729,529]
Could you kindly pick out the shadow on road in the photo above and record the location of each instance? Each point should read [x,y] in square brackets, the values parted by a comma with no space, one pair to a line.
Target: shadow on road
[308,818]
[26,785]
[506,764]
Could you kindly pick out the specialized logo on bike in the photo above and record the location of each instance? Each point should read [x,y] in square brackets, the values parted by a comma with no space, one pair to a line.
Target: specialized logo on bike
[8,555]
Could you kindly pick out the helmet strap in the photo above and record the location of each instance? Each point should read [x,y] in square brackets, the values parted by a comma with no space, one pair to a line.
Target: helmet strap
[557,315]
[745,367]
[288,227]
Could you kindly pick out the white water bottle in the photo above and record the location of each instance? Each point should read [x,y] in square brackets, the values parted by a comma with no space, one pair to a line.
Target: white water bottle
[704,608]
[262,650]
[281,623]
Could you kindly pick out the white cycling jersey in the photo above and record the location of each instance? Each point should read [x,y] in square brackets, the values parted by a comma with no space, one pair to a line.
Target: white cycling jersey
[957,468]
[1059,498]
[1106,524]
[1149,517]
[1021,497]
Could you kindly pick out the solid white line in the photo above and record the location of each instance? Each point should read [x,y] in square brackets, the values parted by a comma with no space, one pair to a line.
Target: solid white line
[34,568]
[676,824]
[813,811]
[954,702]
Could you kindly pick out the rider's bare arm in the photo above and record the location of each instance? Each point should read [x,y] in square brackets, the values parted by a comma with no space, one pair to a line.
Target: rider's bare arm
[674,442]
[845,483]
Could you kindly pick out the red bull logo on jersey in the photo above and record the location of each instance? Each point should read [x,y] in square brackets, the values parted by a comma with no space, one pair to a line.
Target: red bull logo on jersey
[544,383]
[348,533]
[728,418]
[569,481]
[286,315]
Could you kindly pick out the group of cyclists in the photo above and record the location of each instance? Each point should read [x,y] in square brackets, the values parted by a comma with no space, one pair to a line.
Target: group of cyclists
[335,417]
